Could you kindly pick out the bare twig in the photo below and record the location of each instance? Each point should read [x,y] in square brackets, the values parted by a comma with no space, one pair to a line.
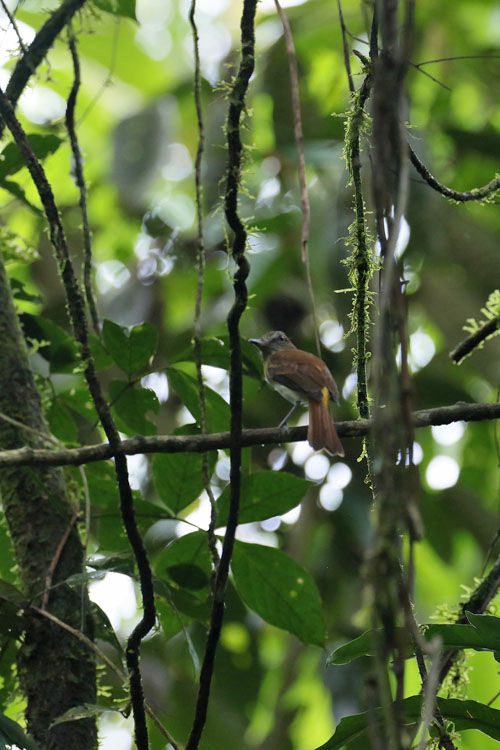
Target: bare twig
[345,45]
[80,181]
[476,194]
[235,148]
[299,142]
[56,558]
[222,440]
[14,25]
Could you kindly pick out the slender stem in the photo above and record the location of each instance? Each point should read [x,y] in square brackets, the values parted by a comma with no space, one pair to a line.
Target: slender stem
[235,149]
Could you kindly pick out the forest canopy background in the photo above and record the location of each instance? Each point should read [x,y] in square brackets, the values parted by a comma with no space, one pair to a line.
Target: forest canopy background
[137,130]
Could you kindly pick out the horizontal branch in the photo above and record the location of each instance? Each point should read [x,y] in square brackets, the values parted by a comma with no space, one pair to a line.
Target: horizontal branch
[460,411]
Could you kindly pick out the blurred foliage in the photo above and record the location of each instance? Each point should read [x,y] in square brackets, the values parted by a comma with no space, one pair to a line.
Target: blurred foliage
[137,132]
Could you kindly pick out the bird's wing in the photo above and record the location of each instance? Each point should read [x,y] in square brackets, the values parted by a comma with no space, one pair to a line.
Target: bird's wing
[307,375]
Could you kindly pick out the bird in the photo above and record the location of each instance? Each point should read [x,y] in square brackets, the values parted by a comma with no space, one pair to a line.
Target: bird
[303,379]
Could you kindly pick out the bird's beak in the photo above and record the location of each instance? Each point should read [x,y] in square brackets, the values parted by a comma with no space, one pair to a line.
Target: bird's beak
[257,342]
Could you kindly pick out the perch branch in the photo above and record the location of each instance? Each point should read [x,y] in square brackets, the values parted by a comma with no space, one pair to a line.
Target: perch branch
[222,440]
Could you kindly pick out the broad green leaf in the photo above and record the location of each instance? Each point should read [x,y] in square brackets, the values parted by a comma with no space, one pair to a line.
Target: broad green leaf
[19,291]
[125,8]
[11,160]
[186,561]
[12,607]
[57,346]
[171,621]
[464,714]
[11,594]
[182,600]
[121,562]
[102,359]
[17,191]
[264,494]
[12,733]
[130,406]
[80,400]
[62,425]
[483,634]
[131,349]
[186,387]
[280,590]
[104,629]
[215,352]
[178,478]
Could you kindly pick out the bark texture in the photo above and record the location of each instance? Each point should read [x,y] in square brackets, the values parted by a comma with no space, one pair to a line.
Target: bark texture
[56,671]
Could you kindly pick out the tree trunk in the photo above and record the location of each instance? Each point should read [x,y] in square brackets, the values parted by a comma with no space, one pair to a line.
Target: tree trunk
[56,671]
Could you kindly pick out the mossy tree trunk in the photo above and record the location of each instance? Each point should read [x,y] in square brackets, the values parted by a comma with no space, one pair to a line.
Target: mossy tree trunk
[56,670]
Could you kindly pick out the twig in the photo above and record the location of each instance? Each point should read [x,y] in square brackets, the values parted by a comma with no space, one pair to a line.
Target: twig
[212,541]
[458,57]
[76,307]
[477,194]
[14,25]
[235,149]
[56,558]
[80,181]
[299,143]
[475,340]
[38,48]
[109,663]
[222,440]
[347,62]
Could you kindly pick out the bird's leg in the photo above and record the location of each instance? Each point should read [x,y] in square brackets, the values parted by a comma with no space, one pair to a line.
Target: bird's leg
[284,421]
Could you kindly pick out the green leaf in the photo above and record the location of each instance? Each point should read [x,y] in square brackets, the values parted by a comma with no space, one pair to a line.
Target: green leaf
[181,600]
[17,191]
[62,425]
[20,293]
[130,406]
[264,494]
[11,160]
[125,8]
[61,350]
[280,590]
[171,621]
[483,634]
[215,352]
[186,388]
[12,733]
[102,359]
[464,714]
[178,478]
[187,562]
[131,349]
